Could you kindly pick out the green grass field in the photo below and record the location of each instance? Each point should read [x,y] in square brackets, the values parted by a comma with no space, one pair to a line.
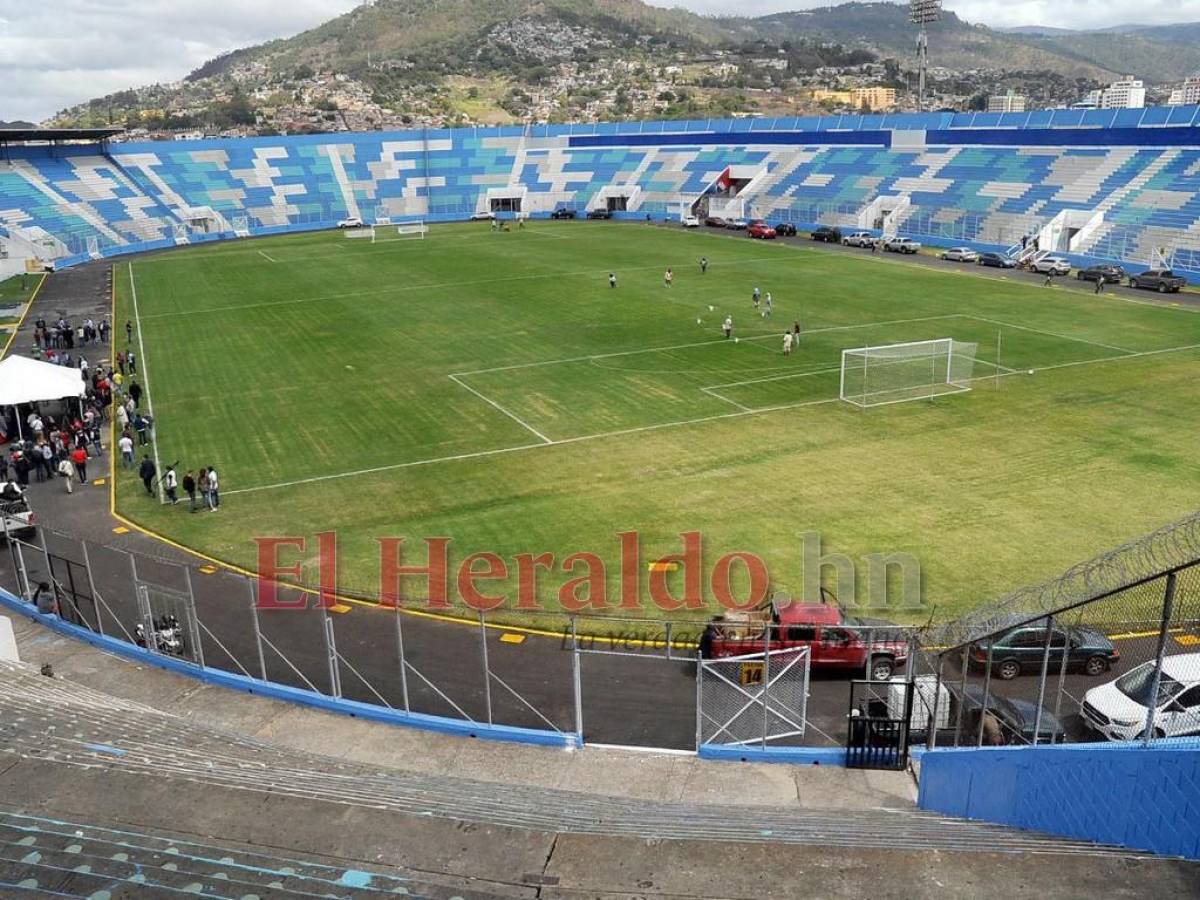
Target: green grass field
[492,388]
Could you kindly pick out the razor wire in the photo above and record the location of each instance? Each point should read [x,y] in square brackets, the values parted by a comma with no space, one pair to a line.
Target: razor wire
[1170,548]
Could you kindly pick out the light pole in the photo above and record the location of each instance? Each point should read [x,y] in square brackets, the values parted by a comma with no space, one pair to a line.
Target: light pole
[921,13]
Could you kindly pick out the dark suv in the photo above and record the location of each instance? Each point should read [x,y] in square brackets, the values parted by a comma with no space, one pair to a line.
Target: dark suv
[827,235]
[599,214]
[563,214]
[1023,648]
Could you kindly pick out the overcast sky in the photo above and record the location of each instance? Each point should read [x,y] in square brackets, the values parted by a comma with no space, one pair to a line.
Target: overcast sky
[55,53]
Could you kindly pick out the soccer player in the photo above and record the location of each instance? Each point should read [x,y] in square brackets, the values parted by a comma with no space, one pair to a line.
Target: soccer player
[787,343]
[668,277]
[728,327]
[704,265]
[796,333]
[756,298]
[767,306]
[612,279]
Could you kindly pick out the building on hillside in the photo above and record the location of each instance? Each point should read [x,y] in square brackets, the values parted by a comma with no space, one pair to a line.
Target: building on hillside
[873,98]
[1006,103]
[1128,93]
[840,98]
[1187,93]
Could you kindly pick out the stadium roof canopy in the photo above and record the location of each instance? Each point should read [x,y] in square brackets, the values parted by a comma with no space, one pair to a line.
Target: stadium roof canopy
[41,135]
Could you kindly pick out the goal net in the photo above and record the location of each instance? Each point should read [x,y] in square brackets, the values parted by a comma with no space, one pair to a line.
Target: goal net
[897,373]
[411,231]
[365,232]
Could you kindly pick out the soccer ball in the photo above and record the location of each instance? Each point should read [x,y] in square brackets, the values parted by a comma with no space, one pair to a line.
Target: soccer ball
[735,340]
[699,322]
[711,307]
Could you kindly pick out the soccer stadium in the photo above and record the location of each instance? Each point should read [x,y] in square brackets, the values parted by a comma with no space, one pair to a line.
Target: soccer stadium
[562,502]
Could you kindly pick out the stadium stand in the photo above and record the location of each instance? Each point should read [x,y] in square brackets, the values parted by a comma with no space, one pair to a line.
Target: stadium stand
[1099,185]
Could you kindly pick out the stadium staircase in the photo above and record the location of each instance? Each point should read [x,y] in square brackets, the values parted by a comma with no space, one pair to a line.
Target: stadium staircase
[66,727]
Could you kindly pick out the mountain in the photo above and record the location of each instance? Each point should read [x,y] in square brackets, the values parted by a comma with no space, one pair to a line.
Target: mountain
[431,62]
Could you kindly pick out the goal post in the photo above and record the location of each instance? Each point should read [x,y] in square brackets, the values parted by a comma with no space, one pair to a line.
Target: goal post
[363,232]
[412,230]
[898,373]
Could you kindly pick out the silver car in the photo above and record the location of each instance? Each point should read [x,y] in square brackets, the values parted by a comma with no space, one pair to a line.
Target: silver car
[960,254]
[1052,265]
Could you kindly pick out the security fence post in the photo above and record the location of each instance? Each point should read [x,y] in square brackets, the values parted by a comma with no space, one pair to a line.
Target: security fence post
[194,624]
[577,680]
[87,565]
[335,676]
[962,694]
[931,728]
[403,658]
[766,681]
[1062,686]
[1037,719]
[487,671]
[258,641]
[987,689]
[1168,609]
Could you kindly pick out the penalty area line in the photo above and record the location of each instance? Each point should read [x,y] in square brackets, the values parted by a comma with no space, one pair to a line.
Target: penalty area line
[497,406]
[484,454]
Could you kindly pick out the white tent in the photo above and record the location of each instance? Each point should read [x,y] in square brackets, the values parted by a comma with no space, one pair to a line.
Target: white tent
[24,380]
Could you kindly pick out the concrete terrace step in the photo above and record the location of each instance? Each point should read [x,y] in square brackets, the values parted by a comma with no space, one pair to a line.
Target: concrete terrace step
[80,860]
[61,723]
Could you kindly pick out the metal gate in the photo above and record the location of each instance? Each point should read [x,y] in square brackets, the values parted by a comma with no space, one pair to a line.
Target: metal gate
[167,623]
[877,735]
[753,699]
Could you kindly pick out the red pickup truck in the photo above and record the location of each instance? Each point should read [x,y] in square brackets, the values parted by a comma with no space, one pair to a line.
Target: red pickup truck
[834,639]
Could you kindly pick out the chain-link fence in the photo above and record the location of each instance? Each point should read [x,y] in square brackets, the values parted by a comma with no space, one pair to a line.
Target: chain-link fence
[1110,651]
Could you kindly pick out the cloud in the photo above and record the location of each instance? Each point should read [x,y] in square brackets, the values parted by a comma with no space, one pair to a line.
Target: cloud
[56,53]
[61,52]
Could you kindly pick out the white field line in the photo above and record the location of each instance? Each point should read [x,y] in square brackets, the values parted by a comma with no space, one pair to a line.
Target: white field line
[497,406]
[592,273]
[483,454]
[805,374]
[267,256]
[559,443]
[713,393]
[146,382]
[1053,334]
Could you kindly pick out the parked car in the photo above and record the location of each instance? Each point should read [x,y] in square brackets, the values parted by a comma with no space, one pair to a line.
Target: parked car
[350,222]
[599,214]
[563,214]
[761,230]
[900,245]
[736,224]
[959,709]
[785,229]
[1107,274]
[859,239]
[834,640]
[690,222]
[484,216]
[1022,649]
[15,515]
[1162,280]
[1051,265]
[826,235]
[714,222]
[961,254]
[996,261]
[1119,710]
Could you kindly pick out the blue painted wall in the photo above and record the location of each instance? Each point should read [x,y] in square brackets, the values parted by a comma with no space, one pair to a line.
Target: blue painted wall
[1127,795]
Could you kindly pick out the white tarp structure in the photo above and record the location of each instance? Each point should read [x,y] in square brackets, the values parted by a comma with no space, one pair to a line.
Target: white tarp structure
[24,380]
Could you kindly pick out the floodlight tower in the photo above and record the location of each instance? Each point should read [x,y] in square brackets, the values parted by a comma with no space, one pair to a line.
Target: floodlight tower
[921,13]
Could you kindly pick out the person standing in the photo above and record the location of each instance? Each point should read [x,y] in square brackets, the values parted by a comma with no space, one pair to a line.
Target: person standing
[146,472]
[122,418]
[126,446]
[142,427]
[131,361]
[1100,284]
[67,472]
[189,488]
[171,483]
[728,327]
[202,484]
[128,331]
[704,265]
[121,361]
[756,298]
[796,333]
[135,393]
[767,306]
[668,277]
[214,490]
[79,457]
[612,279]
[787,343]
